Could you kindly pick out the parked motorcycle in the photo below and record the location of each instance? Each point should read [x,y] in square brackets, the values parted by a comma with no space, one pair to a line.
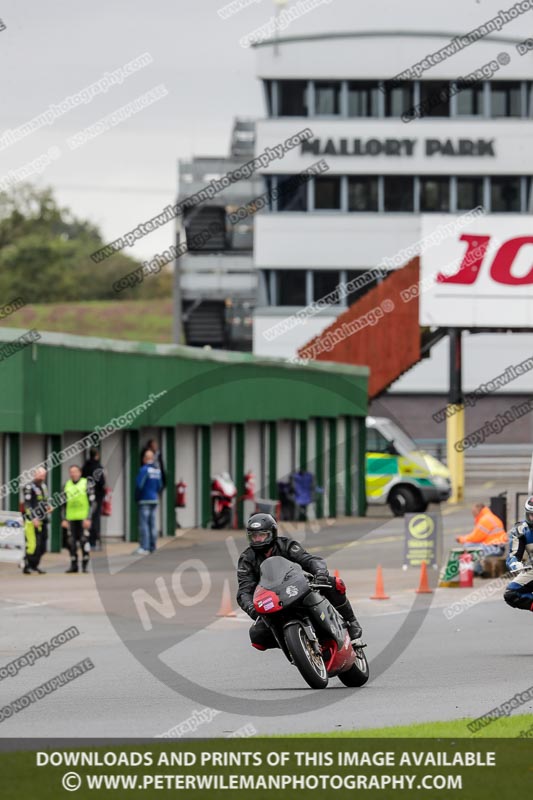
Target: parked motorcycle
[223,493]
[307,627]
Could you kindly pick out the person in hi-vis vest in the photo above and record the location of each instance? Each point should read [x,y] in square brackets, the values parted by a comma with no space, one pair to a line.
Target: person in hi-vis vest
[78,506]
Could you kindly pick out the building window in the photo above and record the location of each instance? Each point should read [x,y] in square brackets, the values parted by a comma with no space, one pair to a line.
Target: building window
[363,99]
[292,99]
[328,193]
[359,283]
[326,282]
[398,98]
[269,183]
[529,99]
[291,287]
[469,101]
[434,98]
[505,194]
[434,193]
[399,193]
[327,97]
[505,99]
[529,196]
[292,194]
[469,193]
[265,284]
[362,193]
[267,85]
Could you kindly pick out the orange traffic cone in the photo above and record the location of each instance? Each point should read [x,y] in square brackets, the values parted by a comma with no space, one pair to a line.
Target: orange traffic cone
[380,589]
[423,586]
[226,609]
[336,573]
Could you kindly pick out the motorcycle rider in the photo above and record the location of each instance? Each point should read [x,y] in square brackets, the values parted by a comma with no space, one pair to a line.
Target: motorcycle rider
[519,592]
[262,535]
[35,521]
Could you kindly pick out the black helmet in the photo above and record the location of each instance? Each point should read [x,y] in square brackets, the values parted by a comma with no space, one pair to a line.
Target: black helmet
[262,523]
[528,508]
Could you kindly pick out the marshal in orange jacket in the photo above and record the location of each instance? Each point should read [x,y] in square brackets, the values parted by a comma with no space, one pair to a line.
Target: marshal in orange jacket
[488,529]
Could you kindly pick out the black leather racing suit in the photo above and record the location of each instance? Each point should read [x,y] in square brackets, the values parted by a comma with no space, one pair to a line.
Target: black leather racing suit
[35,506]
[248,573]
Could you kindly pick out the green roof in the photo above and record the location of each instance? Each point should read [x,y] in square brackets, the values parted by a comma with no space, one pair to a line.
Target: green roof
[64,382]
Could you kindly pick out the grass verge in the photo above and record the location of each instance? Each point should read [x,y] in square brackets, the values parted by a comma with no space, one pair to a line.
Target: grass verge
[505,728]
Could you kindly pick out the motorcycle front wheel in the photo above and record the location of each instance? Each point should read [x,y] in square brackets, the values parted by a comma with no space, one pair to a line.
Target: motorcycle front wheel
[310,664]
[359,672]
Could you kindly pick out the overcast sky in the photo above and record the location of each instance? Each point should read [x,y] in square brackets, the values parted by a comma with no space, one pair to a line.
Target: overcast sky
[54,48]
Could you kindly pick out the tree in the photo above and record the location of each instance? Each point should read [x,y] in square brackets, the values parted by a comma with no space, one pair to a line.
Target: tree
[45,254]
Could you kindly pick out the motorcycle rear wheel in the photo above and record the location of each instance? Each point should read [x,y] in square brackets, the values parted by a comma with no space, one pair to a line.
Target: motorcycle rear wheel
[359,673]
[310,665]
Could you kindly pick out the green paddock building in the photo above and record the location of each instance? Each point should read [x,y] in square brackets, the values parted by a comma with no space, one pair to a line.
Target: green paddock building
[211,411]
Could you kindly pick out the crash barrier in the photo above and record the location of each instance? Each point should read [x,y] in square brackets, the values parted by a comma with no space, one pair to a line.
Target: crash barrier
[12,539]
[510,462]
[449,574]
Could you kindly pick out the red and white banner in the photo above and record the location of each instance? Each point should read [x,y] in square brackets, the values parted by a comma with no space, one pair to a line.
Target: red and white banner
[480,276]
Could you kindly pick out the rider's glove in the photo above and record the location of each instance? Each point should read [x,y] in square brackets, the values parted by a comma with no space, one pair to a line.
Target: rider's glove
[339,585]
[517,566]
[250,610]
[322,577]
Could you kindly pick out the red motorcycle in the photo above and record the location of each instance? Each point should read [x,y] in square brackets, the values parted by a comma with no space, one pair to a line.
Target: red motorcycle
[223,493]
[307,627]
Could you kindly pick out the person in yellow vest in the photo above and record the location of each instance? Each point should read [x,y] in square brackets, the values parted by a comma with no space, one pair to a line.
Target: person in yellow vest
[488,535]
[79,505]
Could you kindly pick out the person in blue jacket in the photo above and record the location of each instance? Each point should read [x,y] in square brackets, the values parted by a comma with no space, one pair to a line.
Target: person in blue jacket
[303,486]
[148,487]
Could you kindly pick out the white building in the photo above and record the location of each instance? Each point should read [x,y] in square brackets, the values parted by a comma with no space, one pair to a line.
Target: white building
[389,172]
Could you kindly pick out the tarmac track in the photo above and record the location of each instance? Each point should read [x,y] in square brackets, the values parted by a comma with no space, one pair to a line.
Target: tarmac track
[424,667]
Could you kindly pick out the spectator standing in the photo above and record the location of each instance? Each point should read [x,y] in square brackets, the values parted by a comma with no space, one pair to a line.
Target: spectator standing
[93,469]
[78,509]
[36,510]
[148,487]
[153,445]
[303,487]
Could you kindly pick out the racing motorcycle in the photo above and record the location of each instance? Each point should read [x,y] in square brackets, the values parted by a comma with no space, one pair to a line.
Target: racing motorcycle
[306,626]
[223,493]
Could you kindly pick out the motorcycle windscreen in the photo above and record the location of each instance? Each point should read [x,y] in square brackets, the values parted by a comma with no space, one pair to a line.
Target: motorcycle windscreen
[276,570]
[285,577]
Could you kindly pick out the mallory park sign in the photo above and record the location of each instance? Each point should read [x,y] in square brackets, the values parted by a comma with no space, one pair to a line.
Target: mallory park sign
[398,147]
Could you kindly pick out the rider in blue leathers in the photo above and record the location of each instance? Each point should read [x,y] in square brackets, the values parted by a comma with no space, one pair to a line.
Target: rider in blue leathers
[519,592]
